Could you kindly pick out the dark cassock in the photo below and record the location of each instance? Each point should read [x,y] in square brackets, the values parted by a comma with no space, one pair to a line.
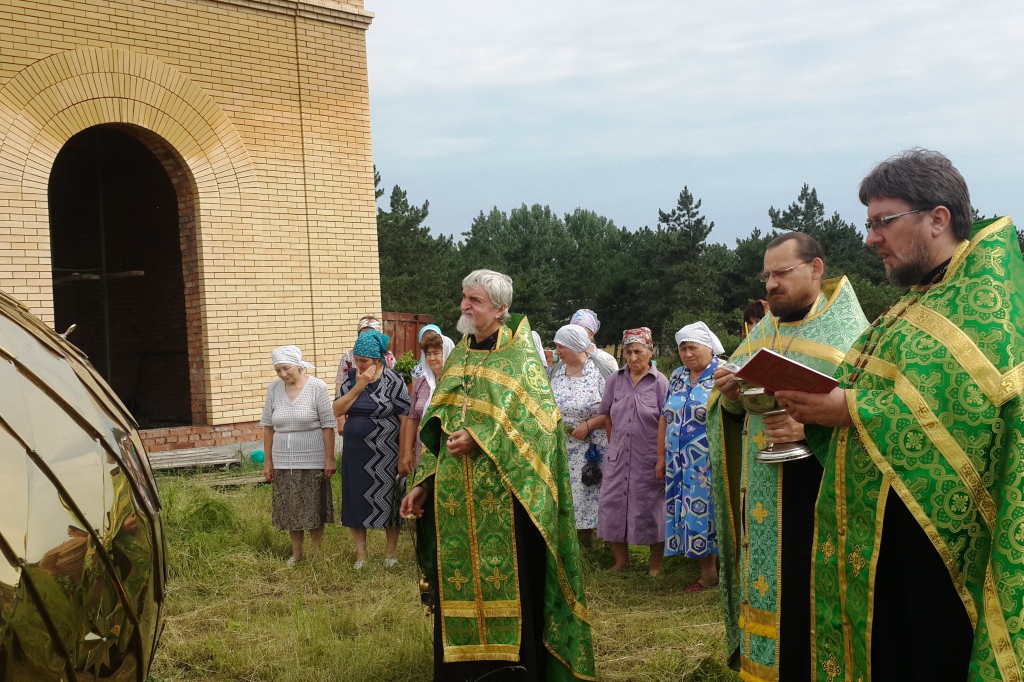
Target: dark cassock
[918,567]
[497,540]
[765,512]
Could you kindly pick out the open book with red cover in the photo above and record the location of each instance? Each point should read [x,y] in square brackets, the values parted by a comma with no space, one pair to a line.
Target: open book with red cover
[774,372]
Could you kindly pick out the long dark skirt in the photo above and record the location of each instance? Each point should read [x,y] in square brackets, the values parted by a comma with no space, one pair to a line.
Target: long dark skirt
[302,499]
[533,656]
[370,497]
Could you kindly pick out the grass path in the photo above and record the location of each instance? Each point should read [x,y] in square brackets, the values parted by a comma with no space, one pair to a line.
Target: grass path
[234,611]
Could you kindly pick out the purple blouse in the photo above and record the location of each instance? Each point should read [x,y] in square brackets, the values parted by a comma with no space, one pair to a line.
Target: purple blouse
[420,391]
[632,499]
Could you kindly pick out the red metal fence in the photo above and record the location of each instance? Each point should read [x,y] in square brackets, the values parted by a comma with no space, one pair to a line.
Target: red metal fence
[403,328]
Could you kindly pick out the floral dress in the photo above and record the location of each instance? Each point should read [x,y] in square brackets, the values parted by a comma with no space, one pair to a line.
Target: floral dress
[578,399]
[690,514]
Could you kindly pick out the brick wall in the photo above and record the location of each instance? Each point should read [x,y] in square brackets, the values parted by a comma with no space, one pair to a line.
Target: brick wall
[266,105]
[158,440]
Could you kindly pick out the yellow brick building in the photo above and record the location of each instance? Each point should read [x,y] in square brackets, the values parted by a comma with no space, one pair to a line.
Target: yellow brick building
[191,183]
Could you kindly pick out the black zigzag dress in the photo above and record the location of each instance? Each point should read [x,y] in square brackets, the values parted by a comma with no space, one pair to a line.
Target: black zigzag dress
[370,492]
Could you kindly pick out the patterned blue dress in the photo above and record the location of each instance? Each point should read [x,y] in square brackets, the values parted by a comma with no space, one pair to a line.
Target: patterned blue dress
[690,517]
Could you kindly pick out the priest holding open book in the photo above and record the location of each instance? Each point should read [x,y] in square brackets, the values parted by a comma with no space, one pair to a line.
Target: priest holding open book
[919,525]
[765,478]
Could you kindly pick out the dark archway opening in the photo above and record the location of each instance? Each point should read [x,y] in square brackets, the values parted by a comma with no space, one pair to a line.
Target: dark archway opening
[117,240]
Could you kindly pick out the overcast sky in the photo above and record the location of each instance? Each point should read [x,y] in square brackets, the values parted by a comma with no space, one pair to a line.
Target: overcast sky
[614,106]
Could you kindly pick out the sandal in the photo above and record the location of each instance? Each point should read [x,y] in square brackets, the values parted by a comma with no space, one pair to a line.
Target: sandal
[696,587]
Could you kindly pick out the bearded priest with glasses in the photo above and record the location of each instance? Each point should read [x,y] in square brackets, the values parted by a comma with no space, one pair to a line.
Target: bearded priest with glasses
[765,511]
[919,525]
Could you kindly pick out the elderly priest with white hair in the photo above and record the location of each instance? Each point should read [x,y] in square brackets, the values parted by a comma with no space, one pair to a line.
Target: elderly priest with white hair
[492,496]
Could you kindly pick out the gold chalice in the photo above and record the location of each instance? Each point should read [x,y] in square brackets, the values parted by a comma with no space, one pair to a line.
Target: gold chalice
[756,401]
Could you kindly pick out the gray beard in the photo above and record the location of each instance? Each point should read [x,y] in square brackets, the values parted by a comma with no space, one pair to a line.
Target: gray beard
[465,326]
[912,271]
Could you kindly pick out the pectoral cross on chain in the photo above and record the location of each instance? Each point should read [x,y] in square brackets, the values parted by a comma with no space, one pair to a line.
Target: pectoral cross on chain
[465,404]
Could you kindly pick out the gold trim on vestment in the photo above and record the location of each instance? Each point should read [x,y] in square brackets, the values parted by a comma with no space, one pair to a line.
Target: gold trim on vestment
[923,520]
[474,549]
[883,496]
[778,560]
[757,672]
[999,388]
[965,247]
[995,620]
[959,254]
[724,468]
[561,660]
[814,563]
[939,436]
[481,652]
[765,619]
[491,609]
[844,436]
[497,414]
[547,420]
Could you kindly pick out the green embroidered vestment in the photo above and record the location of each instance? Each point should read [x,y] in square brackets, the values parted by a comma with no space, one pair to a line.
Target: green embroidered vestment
[934,388]
[503,398]
[748,494]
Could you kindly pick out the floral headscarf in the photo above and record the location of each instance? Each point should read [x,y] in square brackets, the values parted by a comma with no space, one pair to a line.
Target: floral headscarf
[638,335]
[371,344]
[585,317]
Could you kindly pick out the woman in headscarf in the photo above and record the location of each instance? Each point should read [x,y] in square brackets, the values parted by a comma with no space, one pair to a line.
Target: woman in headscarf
[587,318]
[298,439]
[435,348]
[632,510]
[684,460]
[375,401]
[578,387]
[348,361]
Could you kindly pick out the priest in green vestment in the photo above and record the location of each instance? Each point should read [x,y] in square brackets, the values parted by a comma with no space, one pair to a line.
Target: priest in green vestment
[497,531]
[764,511]
[919,538]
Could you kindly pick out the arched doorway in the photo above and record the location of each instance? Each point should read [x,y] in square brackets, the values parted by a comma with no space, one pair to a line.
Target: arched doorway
[122,244]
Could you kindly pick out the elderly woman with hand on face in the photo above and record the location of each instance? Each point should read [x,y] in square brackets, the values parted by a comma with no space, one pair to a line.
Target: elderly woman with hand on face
[298,438]
[435,348]
[376,403]
[632,508]
[578,387]
[684,458]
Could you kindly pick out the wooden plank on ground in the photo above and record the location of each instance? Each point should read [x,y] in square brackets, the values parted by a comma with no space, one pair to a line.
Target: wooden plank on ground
[193,457]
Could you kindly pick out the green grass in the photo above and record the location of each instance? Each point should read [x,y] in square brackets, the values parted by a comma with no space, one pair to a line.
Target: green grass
[234,611]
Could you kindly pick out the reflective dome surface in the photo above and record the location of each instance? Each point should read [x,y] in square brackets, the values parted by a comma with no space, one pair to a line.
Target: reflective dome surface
[82,571]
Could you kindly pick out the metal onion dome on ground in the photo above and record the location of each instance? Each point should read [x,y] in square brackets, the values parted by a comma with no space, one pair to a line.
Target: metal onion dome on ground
[82,572]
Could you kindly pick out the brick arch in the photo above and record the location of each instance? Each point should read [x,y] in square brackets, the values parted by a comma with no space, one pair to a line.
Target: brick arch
[47,103]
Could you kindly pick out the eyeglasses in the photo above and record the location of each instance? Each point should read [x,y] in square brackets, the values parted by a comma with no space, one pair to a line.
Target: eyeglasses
[779,274]
[878,223]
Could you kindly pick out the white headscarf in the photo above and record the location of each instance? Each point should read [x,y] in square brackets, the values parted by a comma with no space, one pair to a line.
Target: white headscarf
[698,332]
[539,345]
[574,337]
[447,346]
[289,355]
